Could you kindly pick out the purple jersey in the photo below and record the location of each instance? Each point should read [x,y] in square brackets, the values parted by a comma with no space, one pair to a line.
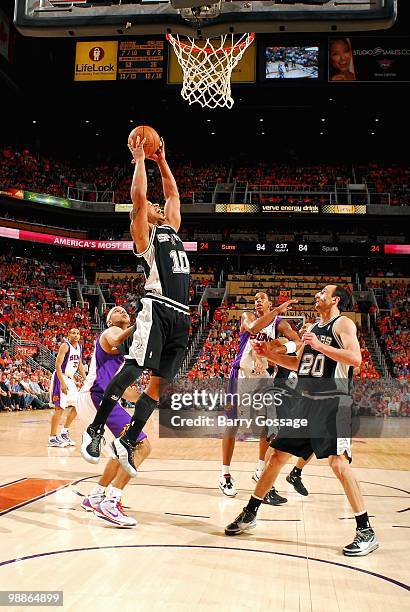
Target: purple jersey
[103,368]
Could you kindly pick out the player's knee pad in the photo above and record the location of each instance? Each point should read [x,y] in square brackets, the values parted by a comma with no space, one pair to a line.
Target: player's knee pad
[123,379]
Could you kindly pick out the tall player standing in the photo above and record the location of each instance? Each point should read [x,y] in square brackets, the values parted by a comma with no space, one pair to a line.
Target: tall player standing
[261,325]
[330,352]
[162,325]
[63,390]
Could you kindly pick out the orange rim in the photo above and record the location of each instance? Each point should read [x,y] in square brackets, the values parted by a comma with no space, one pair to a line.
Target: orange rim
[249,39]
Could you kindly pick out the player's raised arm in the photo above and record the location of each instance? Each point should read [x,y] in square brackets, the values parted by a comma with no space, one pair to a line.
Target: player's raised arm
[349,354]
[112,337]
[253,325]
[139,214]
[172,210]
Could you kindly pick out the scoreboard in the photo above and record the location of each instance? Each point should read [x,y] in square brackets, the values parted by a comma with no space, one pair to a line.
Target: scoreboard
[140,59]
[311,249]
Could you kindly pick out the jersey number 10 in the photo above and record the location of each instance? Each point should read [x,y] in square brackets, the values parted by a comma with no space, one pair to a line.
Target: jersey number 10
[180,262]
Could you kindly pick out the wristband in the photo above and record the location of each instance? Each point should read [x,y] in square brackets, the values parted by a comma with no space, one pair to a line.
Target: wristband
[290,347]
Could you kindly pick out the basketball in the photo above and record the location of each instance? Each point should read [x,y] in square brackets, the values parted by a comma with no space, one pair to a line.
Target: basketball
[153,140]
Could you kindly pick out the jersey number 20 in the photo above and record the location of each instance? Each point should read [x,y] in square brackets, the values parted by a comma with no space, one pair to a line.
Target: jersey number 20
[312,364]
[180,262]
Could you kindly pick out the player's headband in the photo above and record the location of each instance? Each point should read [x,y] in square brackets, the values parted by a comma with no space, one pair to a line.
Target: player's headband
[109,315]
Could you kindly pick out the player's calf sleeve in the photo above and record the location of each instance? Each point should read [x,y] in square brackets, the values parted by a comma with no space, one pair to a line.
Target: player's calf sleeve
[144,407]
[114,391]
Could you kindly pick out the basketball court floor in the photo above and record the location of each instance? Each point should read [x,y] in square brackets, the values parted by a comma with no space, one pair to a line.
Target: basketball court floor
[178,557]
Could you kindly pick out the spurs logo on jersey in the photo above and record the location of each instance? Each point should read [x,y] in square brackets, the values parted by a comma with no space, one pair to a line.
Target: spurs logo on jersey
[166,266]
[314,365]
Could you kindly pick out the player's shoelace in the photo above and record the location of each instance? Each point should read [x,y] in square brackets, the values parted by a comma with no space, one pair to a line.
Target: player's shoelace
[95,443]
[228,482]
[131,450]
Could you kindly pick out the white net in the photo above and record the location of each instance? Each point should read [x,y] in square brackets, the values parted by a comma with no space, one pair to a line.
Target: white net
[207,67]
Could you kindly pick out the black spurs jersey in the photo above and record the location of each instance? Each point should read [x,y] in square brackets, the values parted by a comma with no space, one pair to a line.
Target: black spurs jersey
[166,266]
[318,374]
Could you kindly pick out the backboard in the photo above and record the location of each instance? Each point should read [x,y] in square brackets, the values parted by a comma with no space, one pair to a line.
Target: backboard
[199,18]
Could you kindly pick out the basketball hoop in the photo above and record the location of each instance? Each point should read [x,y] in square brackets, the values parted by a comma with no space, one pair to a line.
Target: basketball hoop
[207,69]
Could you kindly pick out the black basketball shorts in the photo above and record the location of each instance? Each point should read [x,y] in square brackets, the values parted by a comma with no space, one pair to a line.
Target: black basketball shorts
[329,428]
[161,336]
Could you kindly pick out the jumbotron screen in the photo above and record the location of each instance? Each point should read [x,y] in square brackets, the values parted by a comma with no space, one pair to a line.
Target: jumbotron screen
[286,62]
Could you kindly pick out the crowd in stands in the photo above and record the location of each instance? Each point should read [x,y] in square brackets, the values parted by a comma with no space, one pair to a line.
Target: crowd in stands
[391,178]
[381,398]
[45,174]
[394,326]
[267,173]
[33,303]
[41,173]
[22,388]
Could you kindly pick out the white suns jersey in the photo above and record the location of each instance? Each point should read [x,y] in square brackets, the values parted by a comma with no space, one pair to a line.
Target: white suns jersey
[250,364]
[71,359]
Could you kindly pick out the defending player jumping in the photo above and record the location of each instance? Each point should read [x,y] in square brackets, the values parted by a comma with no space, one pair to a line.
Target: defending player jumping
[162,325]
[329,354]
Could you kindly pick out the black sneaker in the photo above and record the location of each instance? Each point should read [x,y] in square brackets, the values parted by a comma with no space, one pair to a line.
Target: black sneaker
[124,451]
[297,484]
[273,498]
[244,522]
[364,543]
[91,444]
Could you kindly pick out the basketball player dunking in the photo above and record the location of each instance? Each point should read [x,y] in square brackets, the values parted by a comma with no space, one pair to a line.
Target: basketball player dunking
[63,390]
[107,359]
[162,325]
[261,325]
[329,352]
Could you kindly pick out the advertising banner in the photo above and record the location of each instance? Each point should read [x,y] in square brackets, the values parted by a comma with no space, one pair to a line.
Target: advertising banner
[96,61]
[368,59]
[76,243]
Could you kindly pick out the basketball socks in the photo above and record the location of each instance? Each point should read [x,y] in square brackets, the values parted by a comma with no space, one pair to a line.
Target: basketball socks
[253,504]
[114,493]
[296,472]
[144,407]
[113,393]
[226,469]
[261,465]
[97,490]
[362,520]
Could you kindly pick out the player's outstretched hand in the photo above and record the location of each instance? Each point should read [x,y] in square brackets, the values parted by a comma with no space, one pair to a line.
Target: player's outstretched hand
[137,149]
[159,154]
[283,307]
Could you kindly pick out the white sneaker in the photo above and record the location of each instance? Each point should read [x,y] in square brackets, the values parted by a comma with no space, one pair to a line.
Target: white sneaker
[57,441]
[226,485]
[66,438]
[257,475]
[90,502]
[111,510]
